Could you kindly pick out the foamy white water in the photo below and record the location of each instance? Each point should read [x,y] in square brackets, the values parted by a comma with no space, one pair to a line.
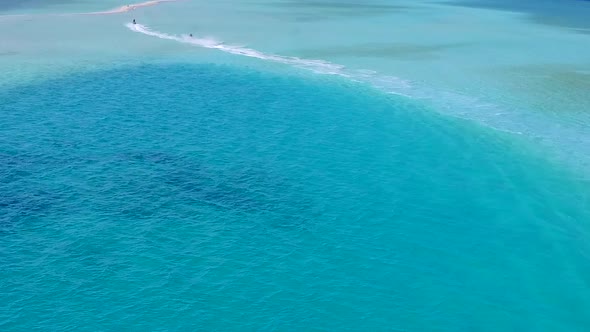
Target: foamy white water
[318,66]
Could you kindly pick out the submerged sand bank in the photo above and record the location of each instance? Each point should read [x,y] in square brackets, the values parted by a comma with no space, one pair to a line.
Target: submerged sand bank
[118,10]
[127,8]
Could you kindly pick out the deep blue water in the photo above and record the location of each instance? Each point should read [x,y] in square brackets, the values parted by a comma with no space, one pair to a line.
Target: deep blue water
[567,13]
[186,197]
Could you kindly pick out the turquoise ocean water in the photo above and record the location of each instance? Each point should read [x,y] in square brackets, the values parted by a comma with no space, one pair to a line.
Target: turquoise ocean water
[296,165]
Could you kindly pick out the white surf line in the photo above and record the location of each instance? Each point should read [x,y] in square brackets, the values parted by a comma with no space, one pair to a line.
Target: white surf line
[317,66]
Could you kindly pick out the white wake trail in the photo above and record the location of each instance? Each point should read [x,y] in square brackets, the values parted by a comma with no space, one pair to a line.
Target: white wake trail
[318,66]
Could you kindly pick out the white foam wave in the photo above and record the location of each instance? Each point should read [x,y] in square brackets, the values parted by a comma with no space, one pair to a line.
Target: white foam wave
[317,66]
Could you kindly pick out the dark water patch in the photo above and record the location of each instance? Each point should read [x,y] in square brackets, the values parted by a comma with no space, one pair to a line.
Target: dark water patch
[15,206]
[80,141]
[25,194]
[572,14]
[148,157]
[186,181]
[74,140]
[584,30]
[25,204]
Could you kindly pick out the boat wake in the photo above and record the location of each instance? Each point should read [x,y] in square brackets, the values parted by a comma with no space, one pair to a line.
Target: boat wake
[318,66]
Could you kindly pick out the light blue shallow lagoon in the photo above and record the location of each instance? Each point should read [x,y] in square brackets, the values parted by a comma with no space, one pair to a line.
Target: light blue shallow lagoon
[337,165]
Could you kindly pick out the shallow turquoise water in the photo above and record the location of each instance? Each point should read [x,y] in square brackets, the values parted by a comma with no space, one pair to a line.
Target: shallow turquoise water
[221,198]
